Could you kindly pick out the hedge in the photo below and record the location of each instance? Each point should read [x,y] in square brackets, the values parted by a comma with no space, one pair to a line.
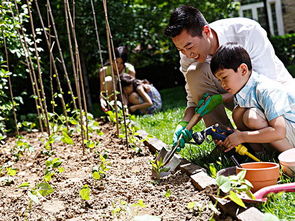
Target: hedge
[285,48]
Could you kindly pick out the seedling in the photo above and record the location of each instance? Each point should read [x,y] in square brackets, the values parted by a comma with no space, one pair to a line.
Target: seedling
[36,193]
[168,193]
[85,192]
[158,168]
[234,185]
[99,172]
[52,166]
[124,211]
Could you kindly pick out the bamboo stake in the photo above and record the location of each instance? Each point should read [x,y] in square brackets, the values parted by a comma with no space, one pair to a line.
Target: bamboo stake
[61,54]
[111,62]
[39,68]
[30,65]
[121,94]
[78,88]
[10,87]
[54,65]
[97,35]
[117,72]
[50,64]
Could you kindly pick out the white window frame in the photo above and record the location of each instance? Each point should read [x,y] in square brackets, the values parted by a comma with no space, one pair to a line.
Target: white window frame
[278,10]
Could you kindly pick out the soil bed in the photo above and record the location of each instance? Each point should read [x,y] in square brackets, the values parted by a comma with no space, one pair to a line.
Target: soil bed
[114,197]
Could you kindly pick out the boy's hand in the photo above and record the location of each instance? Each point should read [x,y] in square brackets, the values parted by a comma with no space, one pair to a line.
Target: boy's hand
[186,135]
[233,140]
[208,103]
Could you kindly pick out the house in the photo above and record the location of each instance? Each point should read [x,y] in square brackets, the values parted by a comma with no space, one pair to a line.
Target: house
[281,14]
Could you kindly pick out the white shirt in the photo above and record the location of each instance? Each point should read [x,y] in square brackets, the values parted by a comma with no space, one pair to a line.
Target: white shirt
[250,35]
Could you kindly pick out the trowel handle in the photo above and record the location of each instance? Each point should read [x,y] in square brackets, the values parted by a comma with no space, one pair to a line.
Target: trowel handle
[193,121]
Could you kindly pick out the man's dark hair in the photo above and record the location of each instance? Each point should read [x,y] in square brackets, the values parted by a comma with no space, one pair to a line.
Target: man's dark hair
[185,18]
[230,56]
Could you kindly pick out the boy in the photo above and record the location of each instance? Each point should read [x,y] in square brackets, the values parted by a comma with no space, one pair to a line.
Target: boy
[265,109]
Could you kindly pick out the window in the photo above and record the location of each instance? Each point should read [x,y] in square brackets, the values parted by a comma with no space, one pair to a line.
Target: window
[254,9]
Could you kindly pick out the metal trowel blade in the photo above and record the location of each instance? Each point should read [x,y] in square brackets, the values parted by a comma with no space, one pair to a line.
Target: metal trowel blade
[172,165]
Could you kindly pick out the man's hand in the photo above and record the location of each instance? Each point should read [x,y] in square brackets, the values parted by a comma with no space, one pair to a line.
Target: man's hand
[208,103]
[186,135]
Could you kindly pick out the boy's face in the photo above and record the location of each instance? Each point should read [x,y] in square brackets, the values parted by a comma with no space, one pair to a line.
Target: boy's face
[193,47]
[232,81]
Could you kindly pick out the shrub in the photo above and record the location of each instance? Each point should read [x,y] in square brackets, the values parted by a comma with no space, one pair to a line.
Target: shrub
[285,48]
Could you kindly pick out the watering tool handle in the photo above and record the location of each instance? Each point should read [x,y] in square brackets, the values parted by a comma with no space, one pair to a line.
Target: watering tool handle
[216,136]
[193,121]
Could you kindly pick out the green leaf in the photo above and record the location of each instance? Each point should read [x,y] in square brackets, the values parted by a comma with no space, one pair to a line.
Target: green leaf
[167,193]
[26,184]
[11,172]
[140,203]
[48,176]
[96,175]
[213,170]
[226,187]
[236,199]
[44,189]
[241,175]
[191,205]
[85,192]
[221,180]
[66,138]
[61,169]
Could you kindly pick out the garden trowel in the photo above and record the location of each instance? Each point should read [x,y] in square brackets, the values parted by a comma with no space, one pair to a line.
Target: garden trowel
[169,161]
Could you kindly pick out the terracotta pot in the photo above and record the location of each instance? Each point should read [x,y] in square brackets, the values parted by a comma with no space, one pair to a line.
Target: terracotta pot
[260,174]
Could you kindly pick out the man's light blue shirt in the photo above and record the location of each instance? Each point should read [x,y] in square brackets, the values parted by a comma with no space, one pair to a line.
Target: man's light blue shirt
[271,97]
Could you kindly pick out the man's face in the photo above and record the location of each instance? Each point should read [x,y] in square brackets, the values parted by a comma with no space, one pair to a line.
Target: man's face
[230,80]
[193,47]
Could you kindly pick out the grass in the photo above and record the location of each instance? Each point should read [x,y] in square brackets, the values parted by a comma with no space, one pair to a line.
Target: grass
[281,205]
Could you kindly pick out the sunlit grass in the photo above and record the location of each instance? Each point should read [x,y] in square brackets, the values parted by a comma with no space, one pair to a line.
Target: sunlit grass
[280,204]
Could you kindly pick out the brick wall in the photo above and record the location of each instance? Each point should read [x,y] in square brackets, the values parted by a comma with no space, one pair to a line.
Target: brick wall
[288,9]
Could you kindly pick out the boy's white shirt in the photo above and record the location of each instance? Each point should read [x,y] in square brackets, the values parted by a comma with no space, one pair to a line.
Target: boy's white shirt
[250,35]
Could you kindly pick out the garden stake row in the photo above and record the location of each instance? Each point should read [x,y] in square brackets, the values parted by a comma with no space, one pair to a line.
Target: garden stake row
[39,68]
[21,35]
[76,68]
[53,61]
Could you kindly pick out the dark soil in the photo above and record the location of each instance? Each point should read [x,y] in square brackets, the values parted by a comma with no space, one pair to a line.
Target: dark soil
[112,197]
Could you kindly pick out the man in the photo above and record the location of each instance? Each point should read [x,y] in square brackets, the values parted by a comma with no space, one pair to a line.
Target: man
[197,41]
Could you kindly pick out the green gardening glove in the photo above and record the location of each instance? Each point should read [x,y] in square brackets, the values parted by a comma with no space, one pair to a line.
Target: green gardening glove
[186,135]
[206,106]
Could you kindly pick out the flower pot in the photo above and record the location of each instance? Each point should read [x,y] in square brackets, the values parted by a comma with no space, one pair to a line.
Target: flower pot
[287,161]
[260,174]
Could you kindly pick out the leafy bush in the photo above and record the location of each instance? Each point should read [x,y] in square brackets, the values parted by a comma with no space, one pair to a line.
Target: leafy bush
[285,48]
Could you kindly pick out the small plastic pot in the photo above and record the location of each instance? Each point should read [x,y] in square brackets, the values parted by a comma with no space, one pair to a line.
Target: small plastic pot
[260,174]
[287,161]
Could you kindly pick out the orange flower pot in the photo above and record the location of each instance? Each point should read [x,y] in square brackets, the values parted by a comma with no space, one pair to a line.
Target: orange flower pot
[260,174]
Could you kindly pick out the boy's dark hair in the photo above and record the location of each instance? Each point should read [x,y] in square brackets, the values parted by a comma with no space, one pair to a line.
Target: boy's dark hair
[230,56]
[188,18]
